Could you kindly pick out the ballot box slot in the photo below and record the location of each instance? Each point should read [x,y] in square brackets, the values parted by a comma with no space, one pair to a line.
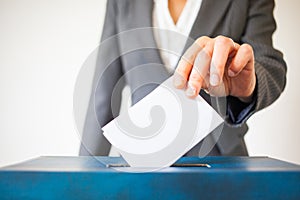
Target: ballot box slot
[174,165]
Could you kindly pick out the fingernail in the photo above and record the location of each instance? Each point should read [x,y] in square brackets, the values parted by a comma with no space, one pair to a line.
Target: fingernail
[190,91]
[178,81]
[230,73]
[214,80]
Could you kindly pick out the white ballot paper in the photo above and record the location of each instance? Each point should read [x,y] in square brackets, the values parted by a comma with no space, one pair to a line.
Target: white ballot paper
[162,127]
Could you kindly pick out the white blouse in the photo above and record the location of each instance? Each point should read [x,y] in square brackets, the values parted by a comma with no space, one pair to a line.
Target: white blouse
[167,40]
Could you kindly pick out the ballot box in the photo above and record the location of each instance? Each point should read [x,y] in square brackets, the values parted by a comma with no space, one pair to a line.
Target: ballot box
[190,178]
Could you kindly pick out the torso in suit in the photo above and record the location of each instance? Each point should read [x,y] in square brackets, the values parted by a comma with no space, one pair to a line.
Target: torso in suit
[132,58]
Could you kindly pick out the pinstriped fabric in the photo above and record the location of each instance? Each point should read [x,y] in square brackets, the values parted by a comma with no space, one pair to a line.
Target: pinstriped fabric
[271,81]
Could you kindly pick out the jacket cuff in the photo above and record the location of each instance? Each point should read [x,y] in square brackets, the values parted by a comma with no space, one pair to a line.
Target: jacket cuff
[238,112]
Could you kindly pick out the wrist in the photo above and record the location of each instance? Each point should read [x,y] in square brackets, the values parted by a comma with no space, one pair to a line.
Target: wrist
[249,98]
[246,99]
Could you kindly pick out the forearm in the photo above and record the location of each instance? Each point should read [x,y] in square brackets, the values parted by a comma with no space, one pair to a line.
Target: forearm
[270,67]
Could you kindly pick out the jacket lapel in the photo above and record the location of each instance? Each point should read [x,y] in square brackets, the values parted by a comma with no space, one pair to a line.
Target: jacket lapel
[209,17]
[141,17]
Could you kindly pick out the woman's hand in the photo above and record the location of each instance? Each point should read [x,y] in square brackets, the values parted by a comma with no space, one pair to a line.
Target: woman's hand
[218,65]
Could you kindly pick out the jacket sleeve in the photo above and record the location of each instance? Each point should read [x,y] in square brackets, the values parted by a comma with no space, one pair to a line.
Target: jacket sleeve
[102,106]
[270,66]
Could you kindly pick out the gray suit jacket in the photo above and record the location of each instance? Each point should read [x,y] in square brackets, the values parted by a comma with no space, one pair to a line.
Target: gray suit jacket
[132,58]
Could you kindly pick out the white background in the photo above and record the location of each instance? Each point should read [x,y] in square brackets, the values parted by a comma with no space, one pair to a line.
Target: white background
[42,47]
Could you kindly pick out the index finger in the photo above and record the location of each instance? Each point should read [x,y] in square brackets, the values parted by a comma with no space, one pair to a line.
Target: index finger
[186,62]
[222,48]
